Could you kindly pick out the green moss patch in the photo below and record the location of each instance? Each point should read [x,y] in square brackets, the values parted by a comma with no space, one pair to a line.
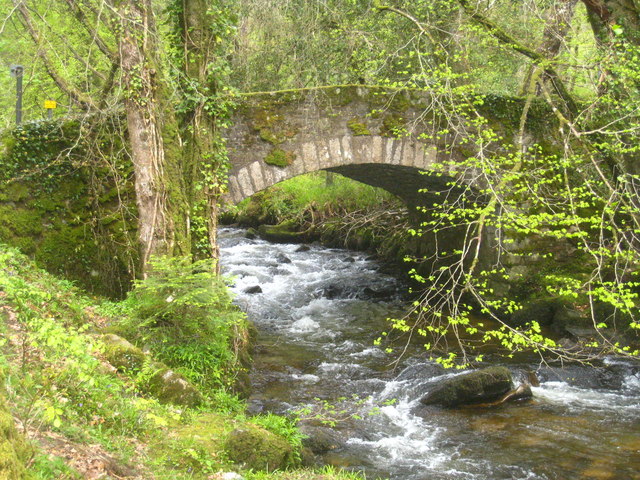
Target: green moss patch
[393,125]
[358,127]
[285,232]
[272,127]
[14,451]
[279,158]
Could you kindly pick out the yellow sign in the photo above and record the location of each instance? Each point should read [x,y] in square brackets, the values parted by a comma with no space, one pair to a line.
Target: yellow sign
[50,104]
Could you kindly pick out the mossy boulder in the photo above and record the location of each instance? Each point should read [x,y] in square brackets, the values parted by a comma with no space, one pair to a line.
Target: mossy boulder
[258,449]
[171,387]
[479,386]
[14,450]
[123,355]
[285,232]
[164,384]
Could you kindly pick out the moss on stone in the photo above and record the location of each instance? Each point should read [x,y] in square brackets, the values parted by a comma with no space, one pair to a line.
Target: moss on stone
[171,387]
[258,449]
[393,125]
[123,355]
[207,430]
[478,386]
[358,127]
[285,232]
[279,158]
[271,126]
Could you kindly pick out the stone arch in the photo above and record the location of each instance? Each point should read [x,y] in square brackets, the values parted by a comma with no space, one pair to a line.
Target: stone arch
[369,159]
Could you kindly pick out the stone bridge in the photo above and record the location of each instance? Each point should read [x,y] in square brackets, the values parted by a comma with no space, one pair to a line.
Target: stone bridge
[376,136]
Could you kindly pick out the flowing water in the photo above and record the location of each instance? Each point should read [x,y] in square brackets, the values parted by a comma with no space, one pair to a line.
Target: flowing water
[318,312]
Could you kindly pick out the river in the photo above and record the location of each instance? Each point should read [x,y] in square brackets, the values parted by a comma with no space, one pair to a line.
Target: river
[318,312]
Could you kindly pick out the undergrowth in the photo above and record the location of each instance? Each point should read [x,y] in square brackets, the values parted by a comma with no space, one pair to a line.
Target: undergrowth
[80,414]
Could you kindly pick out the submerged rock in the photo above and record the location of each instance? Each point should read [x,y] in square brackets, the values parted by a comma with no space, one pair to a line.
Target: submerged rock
[480,386]
[282,258]
[321,440]
[303,248]
[258,449]
[251,234]
[253,289]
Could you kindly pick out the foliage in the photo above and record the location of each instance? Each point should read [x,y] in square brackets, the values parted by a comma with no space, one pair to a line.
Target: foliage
[42,151]
[183,314]
[533,205]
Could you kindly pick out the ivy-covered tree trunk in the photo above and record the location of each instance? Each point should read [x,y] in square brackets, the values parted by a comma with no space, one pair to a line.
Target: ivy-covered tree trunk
[163,220]
[200,23]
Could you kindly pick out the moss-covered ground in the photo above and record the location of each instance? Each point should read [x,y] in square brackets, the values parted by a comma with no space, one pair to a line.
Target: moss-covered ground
[73,415]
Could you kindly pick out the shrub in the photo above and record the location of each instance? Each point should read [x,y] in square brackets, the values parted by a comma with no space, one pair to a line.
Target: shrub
[183,314]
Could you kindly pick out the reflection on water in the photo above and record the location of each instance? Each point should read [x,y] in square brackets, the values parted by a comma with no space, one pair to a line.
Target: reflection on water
[318,314]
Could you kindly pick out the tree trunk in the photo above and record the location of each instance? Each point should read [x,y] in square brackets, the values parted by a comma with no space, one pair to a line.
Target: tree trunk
[162,209]
[205,146]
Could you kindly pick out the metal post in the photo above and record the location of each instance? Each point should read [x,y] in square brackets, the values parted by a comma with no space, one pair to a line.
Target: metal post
[16,71]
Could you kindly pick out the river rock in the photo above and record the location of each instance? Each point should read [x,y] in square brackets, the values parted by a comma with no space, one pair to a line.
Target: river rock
[303,248]
[320,440]
[332,292]
[284,232]
[282,258]
[251,234]
[257,449]
[479,386]
[253,289]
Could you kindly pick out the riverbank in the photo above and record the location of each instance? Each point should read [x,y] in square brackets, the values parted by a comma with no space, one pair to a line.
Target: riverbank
[78,400]
[332,210]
